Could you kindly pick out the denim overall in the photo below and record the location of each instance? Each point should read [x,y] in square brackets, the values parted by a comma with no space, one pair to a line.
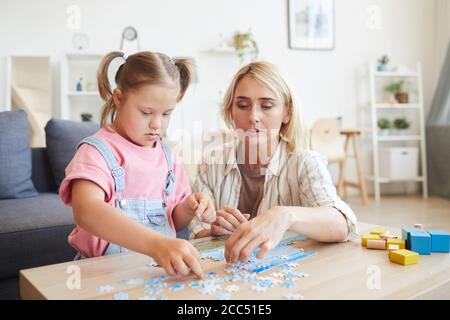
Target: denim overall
[149,212]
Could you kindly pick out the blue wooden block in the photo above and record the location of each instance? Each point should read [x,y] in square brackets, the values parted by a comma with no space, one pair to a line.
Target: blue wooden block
[405,236]
[420,242]
[440,241]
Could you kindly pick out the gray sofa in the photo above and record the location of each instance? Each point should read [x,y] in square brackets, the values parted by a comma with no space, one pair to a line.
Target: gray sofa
[34,223]
[33,231]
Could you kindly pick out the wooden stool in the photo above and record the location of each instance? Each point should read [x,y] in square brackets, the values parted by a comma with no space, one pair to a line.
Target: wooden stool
[342,183]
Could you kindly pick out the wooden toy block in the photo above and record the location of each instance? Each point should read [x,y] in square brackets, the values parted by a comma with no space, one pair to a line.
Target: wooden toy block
[378,230]
[376,244]
[393,247]
[420,242]
[387,236]
[398,242]
[405,235]
[418,226]
[404,257]
[368,236]
[440,241]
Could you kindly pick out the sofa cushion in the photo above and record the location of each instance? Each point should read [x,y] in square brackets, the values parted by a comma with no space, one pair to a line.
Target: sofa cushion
[15,156]
[62,138]
[33,232]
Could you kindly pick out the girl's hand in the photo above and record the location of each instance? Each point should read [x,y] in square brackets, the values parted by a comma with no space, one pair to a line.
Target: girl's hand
[203,206]
[263,231]
[228,219]
[177,257]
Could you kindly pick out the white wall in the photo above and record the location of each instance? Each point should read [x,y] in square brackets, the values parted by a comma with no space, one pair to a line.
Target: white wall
[326,81]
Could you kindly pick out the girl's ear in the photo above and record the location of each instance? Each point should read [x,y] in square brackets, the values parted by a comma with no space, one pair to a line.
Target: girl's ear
[117,97]
[287,115]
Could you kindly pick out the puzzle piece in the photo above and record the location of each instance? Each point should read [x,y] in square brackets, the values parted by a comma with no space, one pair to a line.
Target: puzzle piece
[121,296]
[176,287]
[152,290]
[287,284]
[209,289]
[195,284]
[292,296]
[131,281]
[211,274]
[232,288]
[106,288]
[161,297]
[223,296]
[154,283]
[258,288]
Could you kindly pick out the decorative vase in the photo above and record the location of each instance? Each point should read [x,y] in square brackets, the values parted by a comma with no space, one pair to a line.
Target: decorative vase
[402,97]
[382,67]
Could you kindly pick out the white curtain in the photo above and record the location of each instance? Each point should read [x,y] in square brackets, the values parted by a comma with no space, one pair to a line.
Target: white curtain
[440,107]
[438,122]
[442,31]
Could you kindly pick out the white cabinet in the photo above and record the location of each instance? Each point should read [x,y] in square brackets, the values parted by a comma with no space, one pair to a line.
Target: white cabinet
[76,100]
[399,163]
[396,155]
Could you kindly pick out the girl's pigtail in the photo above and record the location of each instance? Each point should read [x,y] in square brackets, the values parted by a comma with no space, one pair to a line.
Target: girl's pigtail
[185,67]
[104,88]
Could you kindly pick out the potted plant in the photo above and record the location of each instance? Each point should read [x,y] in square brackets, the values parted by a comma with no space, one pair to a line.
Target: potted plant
[397,89]
[244,44]
[86,117]
[384,125]
[401,124]
[382,63]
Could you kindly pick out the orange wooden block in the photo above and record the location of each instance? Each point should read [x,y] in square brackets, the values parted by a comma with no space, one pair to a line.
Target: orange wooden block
[368,237]
[376,244]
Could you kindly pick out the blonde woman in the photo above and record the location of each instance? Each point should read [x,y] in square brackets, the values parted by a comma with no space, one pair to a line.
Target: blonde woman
[267,180]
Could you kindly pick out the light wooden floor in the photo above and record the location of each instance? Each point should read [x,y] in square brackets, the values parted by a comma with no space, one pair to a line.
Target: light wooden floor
[402,211]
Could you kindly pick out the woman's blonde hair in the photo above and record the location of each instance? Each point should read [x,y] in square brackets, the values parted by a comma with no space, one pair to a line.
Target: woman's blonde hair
[295,132]
[142,68]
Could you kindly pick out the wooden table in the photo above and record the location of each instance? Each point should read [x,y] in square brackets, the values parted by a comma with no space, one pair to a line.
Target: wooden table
[337,271]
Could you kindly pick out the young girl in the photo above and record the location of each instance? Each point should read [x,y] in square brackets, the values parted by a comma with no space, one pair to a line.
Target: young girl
[126,188]
[267,181]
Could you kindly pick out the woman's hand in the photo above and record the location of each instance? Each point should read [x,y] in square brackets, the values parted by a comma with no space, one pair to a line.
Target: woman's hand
[263,231]
[228,219]
[176,256]
[203,206]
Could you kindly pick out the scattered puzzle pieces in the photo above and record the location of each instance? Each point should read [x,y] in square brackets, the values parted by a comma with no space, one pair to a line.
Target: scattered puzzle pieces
[121,296]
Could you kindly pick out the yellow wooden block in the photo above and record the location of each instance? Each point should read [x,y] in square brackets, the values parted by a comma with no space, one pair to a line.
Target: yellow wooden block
[399,242]
[369,236]
[404,257]
[378,230]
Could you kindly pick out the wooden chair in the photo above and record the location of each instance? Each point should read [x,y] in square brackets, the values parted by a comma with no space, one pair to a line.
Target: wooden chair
[326,139]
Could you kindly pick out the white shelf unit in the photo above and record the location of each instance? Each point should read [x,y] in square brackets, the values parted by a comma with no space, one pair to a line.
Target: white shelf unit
[379,109]
[75,65]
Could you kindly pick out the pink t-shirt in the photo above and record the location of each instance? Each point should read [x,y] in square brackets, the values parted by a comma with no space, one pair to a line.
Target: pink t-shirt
[145,171]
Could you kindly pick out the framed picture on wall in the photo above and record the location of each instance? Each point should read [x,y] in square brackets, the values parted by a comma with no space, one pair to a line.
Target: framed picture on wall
[311,24]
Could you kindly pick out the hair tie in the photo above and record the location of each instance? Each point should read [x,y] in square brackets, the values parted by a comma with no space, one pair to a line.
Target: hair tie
[172,61]
[125,56]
